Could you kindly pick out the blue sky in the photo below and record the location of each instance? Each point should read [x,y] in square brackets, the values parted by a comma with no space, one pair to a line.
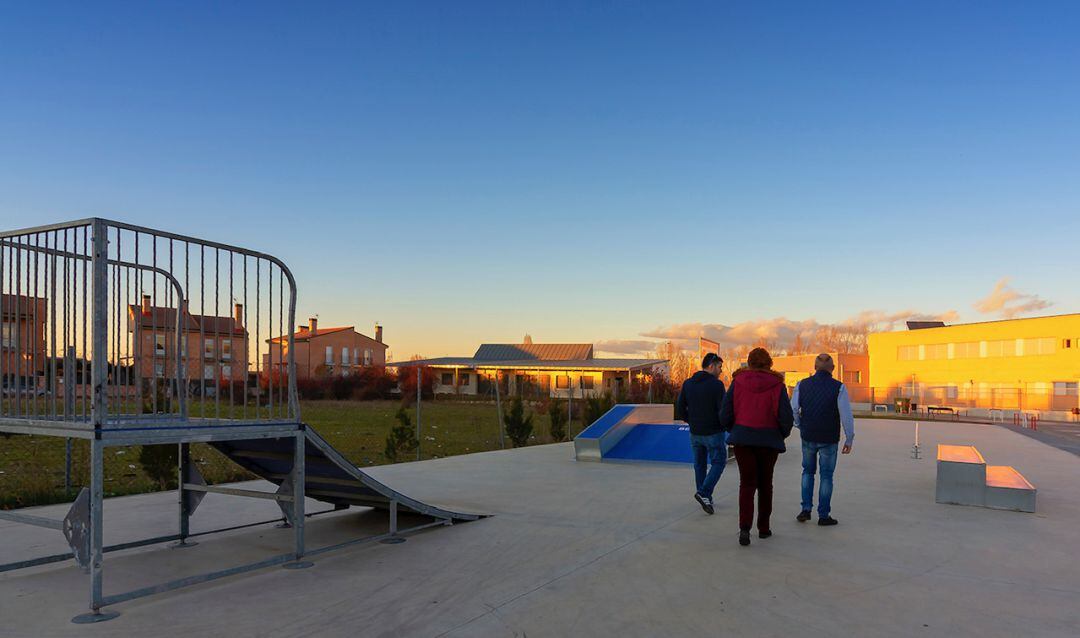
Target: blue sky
[466,172]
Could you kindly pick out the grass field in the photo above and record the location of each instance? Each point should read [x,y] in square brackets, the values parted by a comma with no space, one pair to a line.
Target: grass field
[32,467]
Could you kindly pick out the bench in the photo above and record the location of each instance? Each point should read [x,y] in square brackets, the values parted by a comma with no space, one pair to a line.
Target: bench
[931,410]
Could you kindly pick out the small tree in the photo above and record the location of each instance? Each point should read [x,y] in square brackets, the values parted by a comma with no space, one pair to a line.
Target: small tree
[595,407]
[557,413]
[518,426]
[160,462]
[401,441]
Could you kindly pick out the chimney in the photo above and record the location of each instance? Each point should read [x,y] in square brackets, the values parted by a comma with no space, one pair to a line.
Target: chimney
[378,333]
[238,314]
[313,325]
[146,305]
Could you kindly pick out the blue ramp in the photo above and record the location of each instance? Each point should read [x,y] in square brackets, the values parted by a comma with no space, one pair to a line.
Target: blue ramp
[656,442]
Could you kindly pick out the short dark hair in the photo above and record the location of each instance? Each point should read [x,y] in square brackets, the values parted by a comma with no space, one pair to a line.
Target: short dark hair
[709,359]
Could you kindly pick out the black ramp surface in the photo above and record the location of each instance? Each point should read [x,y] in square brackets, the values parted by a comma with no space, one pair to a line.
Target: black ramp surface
[329,476]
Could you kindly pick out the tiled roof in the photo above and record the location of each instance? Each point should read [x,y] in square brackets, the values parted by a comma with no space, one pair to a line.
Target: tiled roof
[303,334]
[534,364]
[521,351]
[160,317]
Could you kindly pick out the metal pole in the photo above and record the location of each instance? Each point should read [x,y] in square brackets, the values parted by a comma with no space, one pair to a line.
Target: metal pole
[100,371]
[498,412]
[69,411]
[298,491]
[184,476]
[417,413]
[97,491]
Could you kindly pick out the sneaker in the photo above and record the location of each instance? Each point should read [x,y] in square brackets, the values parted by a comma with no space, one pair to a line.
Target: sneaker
[827,520]
[803,516]
[744,538]
[765,534]
[705,502]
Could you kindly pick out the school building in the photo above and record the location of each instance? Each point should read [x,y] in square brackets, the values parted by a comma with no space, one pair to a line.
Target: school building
[852,369]
[536,369]
[1015,364]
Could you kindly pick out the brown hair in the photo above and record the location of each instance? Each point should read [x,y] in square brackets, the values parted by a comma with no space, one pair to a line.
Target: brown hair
[759,359]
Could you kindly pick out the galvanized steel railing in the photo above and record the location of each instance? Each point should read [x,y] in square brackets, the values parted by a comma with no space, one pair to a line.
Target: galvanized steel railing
[110,325]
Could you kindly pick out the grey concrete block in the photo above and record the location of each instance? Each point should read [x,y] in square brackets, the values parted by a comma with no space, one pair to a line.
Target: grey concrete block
[961,475]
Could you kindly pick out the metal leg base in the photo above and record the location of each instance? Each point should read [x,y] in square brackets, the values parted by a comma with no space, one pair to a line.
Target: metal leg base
[300,564]
[93,617]
[393,540]
[182,544]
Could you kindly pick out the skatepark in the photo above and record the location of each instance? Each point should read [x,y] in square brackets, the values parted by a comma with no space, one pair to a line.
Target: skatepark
[605,548]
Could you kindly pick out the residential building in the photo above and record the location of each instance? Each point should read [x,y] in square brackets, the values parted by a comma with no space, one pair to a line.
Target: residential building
[326,351]
[22,340]
[852,369]
[214,349]
[553,369]
[1013,364]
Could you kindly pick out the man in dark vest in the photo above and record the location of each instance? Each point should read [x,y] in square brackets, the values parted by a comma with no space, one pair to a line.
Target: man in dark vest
[821,406]
[699,405]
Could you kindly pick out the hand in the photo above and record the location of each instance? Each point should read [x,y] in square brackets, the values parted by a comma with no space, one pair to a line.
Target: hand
[847,449]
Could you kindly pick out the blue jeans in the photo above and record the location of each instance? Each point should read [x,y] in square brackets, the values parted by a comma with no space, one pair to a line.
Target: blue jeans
[711,450]
[818,457]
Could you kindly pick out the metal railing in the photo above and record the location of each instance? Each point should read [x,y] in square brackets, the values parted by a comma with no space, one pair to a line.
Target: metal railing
[112,325]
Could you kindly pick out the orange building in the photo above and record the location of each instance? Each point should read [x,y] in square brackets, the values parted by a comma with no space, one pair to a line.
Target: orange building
[22,340]
[214,349]
[853,370]
[326,351]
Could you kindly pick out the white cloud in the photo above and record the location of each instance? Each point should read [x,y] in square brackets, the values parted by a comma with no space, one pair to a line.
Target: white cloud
[1007,302]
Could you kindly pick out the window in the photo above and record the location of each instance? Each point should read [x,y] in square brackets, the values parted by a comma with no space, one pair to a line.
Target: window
[208,372]
[9,334]
[345,356]
[447,378]
[329,355]
[208,349]
[226,372]
[562,383]
[463,378]
[183,346]
[966,350]
[367,356]
[1042,345]
[159,369]
[853,376]
[1066,343]
[356,356]
[226,349]
[1066,388]
[159,345]
[586,382]
[1002,348]
[937,351]
[907,353]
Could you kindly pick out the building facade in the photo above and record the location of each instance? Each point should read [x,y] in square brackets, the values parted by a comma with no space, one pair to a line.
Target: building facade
[323,352]
[560,370]
[214,350]
[1014,364]
[851,369]
[22,341]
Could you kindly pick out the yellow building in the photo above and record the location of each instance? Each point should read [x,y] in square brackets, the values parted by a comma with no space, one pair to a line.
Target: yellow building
[1015,364]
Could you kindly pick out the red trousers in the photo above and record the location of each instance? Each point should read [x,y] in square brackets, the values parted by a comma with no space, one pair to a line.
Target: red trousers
[755,475]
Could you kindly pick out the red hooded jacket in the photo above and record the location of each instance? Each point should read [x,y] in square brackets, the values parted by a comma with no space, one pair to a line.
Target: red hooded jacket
[756,409]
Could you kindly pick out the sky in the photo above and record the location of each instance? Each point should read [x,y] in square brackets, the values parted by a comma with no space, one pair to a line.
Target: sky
[605,172]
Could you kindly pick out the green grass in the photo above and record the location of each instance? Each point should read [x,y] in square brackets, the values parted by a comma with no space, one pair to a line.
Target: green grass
[32,467]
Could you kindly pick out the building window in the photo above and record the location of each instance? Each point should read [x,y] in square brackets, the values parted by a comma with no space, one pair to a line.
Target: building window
[345,356]
[937,351]
[562,383]
[183,346]
[208,372]
[463,378]
[226,372]
[329,355]
[586,382]
[1040,346]
[1066,388]
[226,349]
[1066,343]
[356,356]
[1001,348]
[159,370]
[907,353]
[966,350]
[367,356]
[9,334]
[853,376]
[208,349]
[447,378]
[159,345]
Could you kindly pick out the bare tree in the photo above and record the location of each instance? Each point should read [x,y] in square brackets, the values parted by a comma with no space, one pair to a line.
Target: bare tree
[679,365]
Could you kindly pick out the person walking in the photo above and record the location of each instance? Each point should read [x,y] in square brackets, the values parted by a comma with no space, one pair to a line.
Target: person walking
[699,405]
[821,407]
[757,414]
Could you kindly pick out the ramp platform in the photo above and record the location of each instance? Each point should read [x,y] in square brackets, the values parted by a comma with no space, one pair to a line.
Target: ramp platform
[636,432]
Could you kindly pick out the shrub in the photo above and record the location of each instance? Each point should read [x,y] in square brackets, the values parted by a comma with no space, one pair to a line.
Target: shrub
[518,426]
[595,407]
[401,441]
[556,411]
[160,462]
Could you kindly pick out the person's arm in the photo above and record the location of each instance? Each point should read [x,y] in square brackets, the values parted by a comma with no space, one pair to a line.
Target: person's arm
[720,397]
[727,410]
[847,419]
[785,416]
[680,405]
[795,404]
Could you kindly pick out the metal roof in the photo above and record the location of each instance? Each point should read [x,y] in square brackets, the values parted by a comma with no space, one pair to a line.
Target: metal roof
[534,351]
[534,364]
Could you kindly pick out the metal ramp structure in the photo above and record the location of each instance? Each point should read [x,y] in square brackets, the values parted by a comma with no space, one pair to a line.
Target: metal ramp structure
[636,433]
[122,335]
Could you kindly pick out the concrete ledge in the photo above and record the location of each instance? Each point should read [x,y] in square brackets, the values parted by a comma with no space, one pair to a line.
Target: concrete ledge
[1007,489]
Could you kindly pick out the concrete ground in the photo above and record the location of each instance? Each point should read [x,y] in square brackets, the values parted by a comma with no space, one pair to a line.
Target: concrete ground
[606,549]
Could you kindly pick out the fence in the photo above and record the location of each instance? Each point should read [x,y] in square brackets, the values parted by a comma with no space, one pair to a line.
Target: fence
[1021,397]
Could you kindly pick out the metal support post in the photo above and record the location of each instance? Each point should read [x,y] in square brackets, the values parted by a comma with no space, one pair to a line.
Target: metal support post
[393,538]
[183,469]
[297,477]
[418,393]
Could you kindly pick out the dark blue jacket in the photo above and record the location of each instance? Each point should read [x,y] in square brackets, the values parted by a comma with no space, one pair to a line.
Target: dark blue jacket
[699,403]
[819,414]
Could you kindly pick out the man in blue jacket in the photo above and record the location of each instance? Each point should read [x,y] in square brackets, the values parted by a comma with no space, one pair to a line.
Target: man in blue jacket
[699,405]
[821,406]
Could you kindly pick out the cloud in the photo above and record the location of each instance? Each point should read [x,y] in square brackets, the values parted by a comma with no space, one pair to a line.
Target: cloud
[625,346]
[1007,302]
